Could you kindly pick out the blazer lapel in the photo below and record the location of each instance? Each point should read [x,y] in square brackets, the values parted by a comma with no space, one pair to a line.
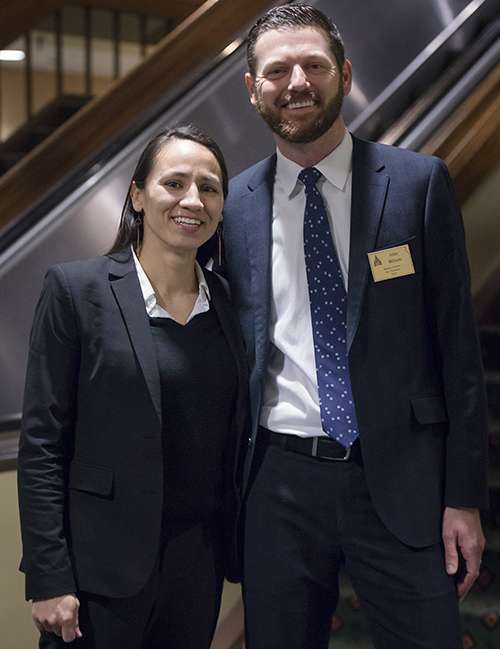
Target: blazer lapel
[257,210]
[232,332]
[369,189]
[226,317]
[126,288]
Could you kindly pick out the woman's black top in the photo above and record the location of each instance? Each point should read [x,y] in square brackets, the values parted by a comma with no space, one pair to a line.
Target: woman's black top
[198,379]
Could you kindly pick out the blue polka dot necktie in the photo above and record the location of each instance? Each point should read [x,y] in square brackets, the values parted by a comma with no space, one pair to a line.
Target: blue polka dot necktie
[328,303]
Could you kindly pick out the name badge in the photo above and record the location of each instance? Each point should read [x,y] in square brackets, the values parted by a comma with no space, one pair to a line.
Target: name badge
[390,263]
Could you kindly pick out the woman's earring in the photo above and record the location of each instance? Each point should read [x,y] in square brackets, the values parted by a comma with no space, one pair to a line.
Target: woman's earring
[219,232]
[138,222]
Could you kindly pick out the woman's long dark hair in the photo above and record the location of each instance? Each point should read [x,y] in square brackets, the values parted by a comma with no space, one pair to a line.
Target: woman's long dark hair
[130,230]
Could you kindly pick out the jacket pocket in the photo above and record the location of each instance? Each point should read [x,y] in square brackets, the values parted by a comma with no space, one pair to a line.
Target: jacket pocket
[396,244]
[91,478]
[429,409]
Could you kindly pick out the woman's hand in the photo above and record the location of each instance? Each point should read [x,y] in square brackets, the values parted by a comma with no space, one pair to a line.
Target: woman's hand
[58,615]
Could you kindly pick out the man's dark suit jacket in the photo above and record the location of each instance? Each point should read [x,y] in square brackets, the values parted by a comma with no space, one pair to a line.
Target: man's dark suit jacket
[90,459]
[414,359]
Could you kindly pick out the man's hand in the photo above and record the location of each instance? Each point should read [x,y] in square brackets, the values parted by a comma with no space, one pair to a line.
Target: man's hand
[59,615]
[463,544]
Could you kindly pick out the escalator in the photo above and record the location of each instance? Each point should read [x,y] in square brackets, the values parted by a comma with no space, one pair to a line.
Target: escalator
[401,52]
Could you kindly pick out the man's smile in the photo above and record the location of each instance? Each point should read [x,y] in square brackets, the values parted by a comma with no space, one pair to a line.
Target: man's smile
[294,103]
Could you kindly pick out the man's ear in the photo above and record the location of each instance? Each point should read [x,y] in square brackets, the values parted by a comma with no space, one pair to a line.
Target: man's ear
[347,77]
[250,81]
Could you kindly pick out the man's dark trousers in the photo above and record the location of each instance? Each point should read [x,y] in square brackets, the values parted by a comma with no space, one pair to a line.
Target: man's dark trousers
[305,518]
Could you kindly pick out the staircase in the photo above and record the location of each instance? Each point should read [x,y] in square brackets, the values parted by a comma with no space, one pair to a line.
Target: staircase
[74,53]
[39,127]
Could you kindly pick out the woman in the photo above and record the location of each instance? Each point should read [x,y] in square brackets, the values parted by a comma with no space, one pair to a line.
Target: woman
[134,409]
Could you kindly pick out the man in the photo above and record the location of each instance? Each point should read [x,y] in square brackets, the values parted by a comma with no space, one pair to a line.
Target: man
[389,487]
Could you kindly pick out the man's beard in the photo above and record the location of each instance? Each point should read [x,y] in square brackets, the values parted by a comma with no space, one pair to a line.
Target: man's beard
[296,132]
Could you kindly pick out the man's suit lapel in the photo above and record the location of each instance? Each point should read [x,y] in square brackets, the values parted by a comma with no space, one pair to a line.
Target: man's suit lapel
[227,318]
[257,212]
[126,288]
[232,333]
[369,189]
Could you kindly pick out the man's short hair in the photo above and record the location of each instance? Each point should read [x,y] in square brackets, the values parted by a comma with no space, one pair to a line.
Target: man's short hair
[294,16]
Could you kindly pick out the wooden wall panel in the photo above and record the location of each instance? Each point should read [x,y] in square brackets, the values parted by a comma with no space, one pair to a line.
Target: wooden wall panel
[178,9]
[19,16]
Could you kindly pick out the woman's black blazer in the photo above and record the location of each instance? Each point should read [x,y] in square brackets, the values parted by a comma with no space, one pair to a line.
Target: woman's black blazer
[90,457]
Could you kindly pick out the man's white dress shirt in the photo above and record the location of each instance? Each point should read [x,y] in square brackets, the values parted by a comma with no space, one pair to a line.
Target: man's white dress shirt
[291,403]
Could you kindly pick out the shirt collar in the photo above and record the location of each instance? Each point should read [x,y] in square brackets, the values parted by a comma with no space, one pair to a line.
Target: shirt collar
[153,309]
[336,167]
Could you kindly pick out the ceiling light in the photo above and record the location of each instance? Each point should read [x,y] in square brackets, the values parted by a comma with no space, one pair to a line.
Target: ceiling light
[11,55]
